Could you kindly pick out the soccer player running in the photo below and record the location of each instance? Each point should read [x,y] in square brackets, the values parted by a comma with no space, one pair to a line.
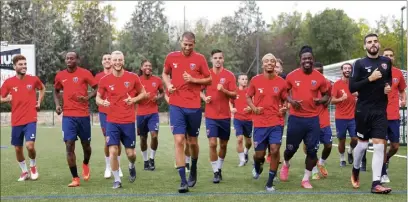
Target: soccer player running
[74,81]
[148,113]
[217,111]
[107,69]
[265,94]
[242,120]
[306,85]
[344,115]
[121,90]
[20,91]
[189,71]
[371,78]
[396,98]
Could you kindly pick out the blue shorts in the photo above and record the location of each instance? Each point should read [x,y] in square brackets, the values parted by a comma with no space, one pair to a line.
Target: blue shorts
[344,125]
[74,127]
[306,129]
[29,131]
[185,120]
[220,128]
[326,135]
[393,134]
[265,136]
[147,123]
[243,128]
[117,132]
[102,121]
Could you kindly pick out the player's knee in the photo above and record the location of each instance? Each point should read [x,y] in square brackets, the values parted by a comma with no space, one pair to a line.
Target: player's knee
[30,146]
[19,149]
[328,146]
[311,154]
[291,149]
[213,145]
[274,151]
[394,146]
[154,135]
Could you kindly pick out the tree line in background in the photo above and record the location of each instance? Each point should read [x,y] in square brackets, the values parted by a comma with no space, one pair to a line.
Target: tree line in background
[87,27]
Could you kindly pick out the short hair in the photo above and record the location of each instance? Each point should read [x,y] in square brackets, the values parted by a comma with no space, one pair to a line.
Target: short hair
[215,51]
[318,64]
[76,54]
[269,55]
[369,35]
[278,60]
[305,49]
[242,74]
[18,58]
[389,49]
[188,35]
[117,53]
[342,66]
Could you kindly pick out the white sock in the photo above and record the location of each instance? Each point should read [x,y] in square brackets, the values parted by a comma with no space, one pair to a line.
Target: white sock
[314,170]
[23,166]
[350,150]
[286,163]
[214,165]
[131,165]
[342,157]
[358,154]
[119,161]
[241,157]
[307,175]
[220,163]
[116,175]
[377,162]
[321,161]
[245,150]
[144,154]
[188,158]
[107,162]
[152,153]
[32,162]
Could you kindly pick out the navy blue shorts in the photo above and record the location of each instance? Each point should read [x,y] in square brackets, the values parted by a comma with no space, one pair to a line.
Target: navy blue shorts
[326,135]
[74,127]
[265,136]
[220,128]
[27,131]
[306,129]
[243,128]
[117,132]
[185,121]
[344,125]
[393,134]
[147,123]
[102,122]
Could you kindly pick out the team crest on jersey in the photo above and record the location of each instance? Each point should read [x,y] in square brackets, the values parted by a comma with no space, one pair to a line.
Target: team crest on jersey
[222,80]
[192,66]
[384,66]
[260,90]
[314,82]
[75,79]
[395,80]
[275,89]
[126,84]
[15,89]
[29,87]
[111,87]
[154,84]
[297,83]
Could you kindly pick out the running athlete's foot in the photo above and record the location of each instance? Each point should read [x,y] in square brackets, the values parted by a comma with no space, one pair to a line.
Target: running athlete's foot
[315,176]
[306,184]
[219,171]
[216,178]
[379,189]
[350,158]
[183,188]
[246,158]
[363,166]
[24,176]
[355,181]
[256,175]
[241,163]
[34,173]
[117,185]
[86,172]
[132,174]
[385,179]
[192,179]
[323,169]
[187,167]
[75,182]
[108,173]
[343,163]
[146,165]
[284,173]
[151,165]
[270,189]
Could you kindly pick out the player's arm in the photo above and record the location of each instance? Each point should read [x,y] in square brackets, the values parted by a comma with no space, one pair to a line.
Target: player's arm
[202,95]
[166,74]
[41,92]
[231,91]
[5,93]
[249,98]
[356,82]
[401,88]
[140,96]
[98,99]
[56,92]
[166,97]
[161,93]
[205,71]
[93,83]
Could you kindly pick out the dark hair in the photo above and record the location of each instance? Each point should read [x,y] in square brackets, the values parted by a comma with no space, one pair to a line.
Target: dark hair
[318,64]
[188,35]
[18,58]
[76,54]
[369,35]
[305,49]
[389,49]
[140,73]
[215,51]
[341,67]
[241,74]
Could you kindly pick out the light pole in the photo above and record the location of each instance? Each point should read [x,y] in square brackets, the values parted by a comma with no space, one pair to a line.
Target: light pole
[402,36]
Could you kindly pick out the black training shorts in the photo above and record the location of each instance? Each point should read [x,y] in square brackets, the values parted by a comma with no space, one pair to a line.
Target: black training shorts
[371,123]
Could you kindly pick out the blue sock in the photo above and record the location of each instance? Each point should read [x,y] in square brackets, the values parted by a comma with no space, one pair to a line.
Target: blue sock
[193,164]
[384,169]
[271,177]
[182,173]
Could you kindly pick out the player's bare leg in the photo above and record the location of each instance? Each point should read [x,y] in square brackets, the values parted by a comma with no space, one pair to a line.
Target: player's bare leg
[259,160]
[240,150]
[221,155]
[143,148]
[214,158]
[113,154]
[353,143]
[179,140]
[394,146]
[71,159]
[21,162]
[32,154]
[273,167]
[86,171]
[119,153]
[187,153]
[248,145]
[154,144]
[192,179]
[131,154]
[108,171]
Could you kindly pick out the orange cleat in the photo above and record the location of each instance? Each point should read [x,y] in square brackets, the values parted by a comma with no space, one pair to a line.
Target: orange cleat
[75,182]
[355,182]
[268,159]
[86,172]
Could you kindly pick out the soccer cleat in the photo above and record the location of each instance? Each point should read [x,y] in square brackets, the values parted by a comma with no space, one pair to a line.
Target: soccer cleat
[284,173]
[183,188]
[306,184]
[192,179]
[86,173]
[270,189]
[187,167]
[385,179]
[24,176]
[132,174]
[146,165]
[120,172]
[246,158]
[363,166]
[241,164]
[342,163]
[108,173]
[323,169]
[75,182]
[315,176]
[379,189]
[219,171]
[216,178]
[151,165]
[355,182]
[350,158]
[255,175]
[34,173]
[116,185]
[268,159]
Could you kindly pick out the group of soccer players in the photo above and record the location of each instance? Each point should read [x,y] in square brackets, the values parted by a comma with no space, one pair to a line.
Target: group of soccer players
[366,97]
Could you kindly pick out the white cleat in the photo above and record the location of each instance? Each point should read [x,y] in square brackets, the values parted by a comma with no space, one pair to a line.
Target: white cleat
[107,174]
[120,172]
[270,189]
[385,179]
[34,173]
[241,164]
[23,177]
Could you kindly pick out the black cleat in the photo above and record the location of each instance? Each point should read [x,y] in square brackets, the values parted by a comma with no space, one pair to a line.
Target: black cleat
[219,171]
[192,179]
[246,158]
[116,185]
[216,178]
[146,165]
[183,188]
[132,174]
[350,158]
[151,165]
[363,166]
[342,163]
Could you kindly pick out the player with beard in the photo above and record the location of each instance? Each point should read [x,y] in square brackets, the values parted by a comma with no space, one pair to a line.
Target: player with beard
[306,85]
[148,113]
[371,78]
[74,81]
[344,115]
[189,71]
[242,120]
[217,111]
[107,69]
[396,96]
[121,90]
[20,91]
